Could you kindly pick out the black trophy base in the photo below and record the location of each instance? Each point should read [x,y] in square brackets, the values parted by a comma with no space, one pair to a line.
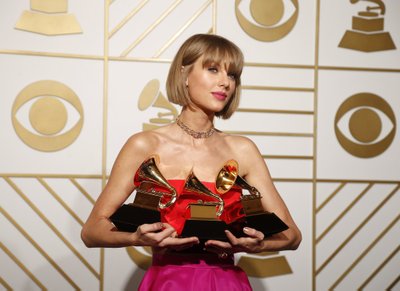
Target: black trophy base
[128,217]
[268,223]
[205,229]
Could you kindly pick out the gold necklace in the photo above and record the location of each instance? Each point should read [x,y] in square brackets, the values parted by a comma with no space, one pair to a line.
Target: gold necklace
[193,133]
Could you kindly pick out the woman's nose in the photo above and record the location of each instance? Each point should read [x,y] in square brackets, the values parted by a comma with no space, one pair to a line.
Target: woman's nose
[224,80]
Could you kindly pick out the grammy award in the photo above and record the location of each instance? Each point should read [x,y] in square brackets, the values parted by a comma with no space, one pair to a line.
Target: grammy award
[148,201]
[367,33]
[255,216]
[204,222]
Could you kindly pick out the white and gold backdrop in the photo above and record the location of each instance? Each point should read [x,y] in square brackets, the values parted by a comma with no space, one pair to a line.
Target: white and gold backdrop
[321,98]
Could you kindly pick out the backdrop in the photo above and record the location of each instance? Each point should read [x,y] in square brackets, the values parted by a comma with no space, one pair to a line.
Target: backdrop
[321,99]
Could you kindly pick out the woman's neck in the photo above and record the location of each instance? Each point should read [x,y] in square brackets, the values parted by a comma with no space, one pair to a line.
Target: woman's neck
[197,125]
[197,121]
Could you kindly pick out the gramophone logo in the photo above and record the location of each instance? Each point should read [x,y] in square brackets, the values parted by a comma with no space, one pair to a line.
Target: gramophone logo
[367,32]
[267,20]
[152,97]
[48,17]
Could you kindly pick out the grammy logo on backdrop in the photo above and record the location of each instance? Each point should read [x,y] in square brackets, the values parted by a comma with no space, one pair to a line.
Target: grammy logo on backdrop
[367,32]
[152,97]
[48,17]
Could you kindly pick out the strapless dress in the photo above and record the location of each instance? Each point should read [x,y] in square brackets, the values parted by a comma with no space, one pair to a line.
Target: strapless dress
[187,271]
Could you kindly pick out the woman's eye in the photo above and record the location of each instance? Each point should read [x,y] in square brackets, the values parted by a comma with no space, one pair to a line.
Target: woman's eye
[213,69]
[232,76]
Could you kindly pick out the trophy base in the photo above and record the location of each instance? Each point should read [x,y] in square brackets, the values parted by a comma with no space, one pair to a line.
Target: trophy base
[128,217]
[268,223]
[205,229]
[367,42]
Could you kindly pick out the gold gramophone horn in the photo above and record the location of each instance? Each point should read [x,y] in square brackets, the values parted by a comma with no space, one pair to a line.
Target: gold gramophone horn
[228,176]
[193,184]
[148,172]
[152,97]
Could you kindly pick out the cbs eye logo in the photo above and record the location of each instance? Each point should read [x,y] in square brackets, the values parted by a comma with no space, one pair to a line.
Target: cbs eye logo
[365,125]
[50,106]
[271,19]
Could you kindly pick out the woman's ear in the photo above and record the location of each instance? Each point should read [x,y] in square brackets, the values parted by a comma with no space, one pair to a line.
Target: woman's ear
[187,79]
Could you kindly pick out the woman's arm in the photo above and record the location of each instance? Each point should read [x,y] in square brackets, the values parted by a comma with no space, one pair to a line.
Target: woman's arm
[98,231]
[256,173]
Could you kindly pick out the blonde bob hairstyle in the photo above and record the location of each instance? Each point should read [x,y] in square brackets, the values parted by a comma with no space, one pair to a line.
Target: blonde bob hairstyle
[215,50]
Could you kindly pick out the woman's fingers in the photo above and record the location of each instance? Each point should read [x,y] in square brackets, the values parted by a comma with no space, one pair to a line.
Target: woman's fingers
[154,233]
[151,227]
[250,243]
[178,243]
[253,233]
[181,243]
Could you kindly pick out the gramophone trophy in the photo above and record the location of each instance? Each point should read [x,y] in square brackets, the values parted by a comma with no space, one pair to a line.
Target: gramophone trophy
[204,222]
[147,202]
[255,216]
[367,33]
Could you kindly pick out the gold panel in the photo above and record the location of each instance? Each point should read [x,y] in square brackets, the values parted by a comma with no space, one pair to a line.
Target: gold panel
[48,17]
[262,268]
[48,24]
[50,6]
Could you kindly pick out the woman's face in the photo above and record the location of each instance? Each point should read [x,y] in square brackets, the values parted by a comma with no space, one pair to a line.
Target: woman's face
[210,87]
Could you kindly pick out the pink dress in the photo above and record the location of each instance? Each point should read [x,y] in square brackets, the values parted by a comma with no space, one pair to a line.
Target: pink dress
[177,271]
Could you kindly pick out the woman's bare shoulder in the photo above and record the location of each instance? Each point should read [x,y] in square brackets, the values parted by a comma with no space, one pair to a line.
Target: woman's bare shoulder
[240,143]
[143,143]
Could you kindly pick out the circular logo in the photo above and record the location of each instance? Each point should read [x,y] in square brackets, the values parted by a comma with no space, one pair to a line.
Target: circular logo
[365,125]
[268,15]
[48,115]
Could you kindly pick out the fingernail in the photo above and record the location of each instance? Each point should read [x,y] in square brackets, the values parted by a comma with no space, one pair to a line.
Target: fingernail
[245,229]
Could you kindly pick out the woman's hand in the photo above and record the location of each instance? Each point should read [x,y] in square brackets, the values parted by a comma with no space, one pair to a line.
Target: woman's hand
[162,235]
[252,243]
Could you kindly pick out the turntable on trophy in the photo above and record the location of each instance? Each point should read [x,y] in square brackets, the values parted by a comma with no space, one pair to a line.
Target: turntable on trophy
[149,198]
[255,215]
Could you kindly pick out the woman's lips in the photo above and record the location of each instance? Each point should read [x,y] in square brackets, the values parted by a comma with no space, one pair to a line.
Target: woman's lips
[219,95]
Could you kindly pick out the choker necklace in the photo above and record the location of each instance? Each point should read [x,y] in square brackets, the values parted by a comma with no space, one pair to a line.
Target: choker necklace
[193,133]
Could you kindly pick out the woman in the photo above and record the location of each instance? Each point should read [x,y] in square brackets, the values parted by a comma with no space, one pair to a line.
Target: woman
[204,79]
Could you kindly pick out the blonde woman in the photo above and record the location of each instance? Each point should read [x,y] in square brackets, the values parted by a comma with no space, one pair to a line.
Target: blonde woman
[204,78]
